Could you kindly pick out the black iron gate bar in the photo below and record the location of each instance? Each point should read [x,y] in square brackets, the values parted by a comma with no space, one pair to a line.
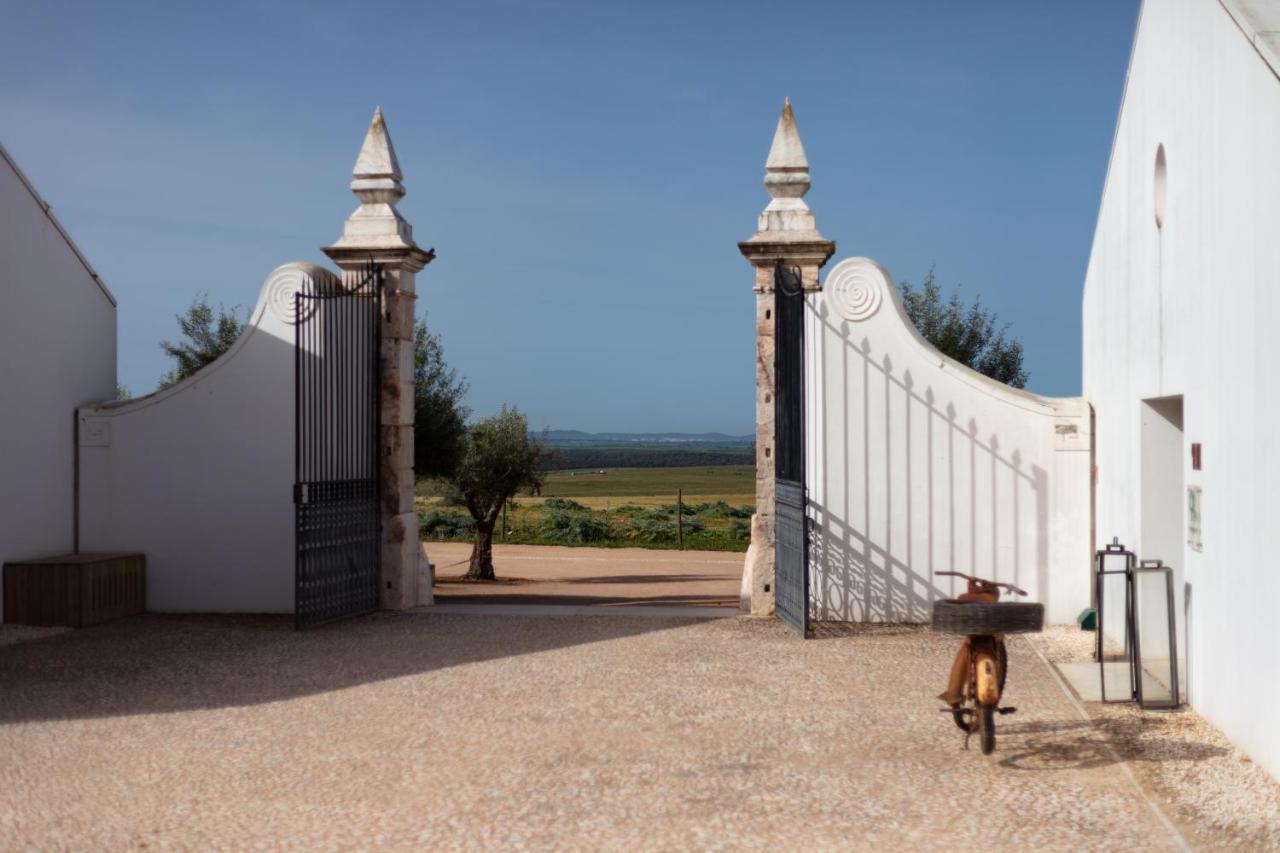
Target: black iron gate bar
[337,492]
[791,528]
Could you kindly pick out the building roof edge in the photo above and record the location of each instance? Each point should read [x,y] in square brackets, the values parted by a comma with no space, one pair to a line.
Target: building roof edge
[48,212]
[1260,24]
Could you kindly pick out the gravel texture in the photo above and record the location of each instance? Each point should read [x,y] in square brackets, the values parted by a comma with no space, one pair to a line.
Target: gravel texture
[12,634]
[1219,798]
[431,731]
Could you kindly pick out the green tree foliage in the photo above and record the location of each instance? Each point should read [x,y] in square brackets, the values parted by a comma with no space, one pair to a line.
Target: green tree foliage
[499,460]
[968,334]
[440,419]
[206,334]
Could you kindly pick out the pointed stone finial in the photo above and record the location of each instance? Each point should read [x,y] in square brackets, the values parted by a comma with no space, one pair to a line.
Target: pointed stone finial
[376,224]
[377,166]
[787,218]
[787,152]
[786,172]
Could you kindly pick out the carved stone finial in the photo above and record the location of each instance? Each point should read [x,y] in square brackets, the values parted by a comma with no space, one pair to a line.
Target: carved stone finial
[787,220]
[377,172]
[376,224]
[786,175]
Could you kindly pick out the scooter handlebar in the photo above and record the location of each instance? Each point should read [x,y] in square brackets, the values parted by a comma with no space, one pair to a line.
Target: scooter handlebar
[1008,586]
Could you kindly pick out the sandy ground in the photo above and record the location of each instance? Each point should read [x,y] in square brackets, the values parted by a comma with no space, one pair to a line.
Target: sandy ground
[543,574]
[435,731]
[1203,780]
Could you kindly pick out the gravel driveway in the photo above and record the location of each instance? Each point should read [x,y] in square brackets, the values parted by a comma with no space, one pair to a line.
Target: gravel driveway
[423,730]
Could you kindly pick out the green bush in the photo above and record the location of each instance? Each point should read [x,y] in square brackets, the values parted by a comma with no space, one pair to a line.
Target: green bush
[563,504]
[572,528]
[721,509]
[442,524]
[658,528]
[739,529]
[657,516]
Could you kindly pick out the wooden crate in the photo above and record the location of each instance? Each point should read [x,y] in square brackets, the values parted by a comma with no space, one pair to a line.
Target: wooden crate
[75,590]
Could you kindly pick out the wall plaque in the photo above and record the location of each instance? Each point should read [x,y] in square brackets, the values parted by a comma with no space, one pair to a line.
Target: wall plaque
[1194,534]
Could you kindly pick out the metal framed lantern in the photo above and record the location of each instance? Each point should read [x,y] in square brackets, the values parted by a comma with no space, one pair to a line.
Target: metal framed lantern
[1154,636]
[1114,648]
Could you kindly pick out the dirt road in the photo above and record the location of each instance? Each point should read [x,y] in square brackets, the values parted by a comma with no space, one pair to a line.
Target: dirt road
[540,574]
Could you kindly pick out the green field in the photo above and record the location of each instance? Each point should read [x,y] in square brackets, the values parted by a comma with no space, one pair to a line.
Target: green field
[719,481]
[621,507]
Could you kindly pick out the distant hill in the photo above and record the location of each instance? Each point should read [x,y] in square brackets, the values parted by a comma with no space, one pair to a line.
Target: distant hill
[576,449]
[573,436]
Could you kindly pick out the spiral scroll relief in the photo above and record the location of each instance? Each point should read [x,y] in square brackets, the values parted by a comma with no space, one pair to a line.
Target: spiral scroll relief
[283,285]
[855,288]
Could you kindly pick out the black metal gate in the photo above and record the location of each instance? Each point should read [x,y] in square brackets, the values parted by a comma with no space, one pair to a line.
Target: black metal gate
[790,527]
[337,493]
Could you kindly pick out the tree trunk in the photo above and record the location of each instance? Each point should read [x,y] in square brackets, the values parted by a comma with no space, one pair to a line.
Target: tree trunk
[482,552]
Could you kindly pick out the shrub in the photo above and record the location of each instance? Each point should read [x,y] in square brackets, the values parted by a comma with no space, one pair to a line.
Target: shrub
[658,528]
[654,515]
[739,529]
[442,524]
[572,528]
[563,504]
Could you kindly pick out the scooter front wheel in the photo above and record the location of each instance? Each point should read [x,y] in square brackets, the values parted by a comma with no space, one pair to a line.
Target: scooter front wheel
[987,728]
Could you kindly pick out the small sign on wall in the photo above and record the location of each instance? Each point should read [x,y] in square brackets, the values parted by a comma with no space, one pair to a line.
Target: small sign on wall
[1194,536]
[95,432]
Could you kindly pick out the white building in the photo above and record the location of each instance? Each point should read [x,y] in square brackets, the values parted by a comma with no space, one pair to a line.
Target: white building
[58,328]
[1181,304]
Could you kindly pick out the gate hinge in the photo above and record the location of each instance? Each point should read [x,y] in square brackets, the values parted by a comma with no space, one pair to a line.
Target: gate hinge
[299,493]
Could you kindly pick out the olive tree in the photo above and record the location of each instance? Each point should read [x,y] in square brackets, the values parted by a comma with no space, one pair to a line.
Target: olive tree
[440,418]
[208,334]
[499,460]
[968,334]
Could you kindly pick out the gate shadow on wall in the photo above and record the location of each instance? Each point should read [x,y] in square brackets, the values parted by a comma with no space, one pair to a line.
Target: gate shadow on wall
[930,498]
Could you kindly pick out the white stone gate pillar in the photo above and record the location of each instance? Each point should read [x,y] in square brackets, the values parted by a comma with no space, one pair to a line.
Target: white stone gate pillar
[788,232]
[377,232]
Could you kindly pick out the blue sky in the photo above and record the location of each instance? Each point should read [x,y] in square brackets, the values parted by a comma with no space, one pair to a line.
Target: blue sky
[584,170]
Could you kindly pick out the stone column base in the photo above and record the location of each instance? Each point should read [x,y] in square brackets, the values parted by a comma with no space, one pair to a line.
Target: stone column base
[756,595]
[401,556]
[426,579]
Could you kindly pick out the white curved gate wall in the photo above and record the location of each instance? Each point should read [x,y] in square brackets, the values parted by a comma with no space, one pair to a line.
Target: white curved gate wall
[918,464]
[200,476]
[58,332]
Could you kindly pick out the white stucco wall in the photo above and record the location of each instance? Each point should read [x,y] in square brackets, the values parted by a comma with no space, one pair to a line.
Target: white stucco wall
[918,464]
[200,476]
[1190,309]
[57,351]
